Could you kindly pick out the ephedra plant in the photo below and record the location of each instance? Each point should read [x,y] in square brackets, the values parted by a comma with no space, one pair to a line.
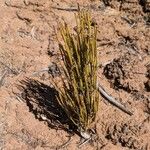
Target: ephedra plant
[78,94]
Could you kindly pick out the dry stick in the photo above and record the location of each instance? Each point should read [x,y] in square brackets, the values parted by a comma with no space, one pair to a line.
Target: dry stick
[83,143]
[42,70]
[2,78]
[65,9]
[65,144]
[113,100]
[13,71]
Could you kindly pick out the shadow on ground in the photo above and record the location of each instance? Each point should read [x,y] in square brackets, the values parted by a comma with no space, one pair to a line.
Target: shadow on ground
[42,102]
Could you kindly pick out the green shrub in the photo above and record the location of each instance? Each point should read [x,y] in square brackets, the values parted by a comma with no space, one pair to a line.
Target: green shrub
[78,94]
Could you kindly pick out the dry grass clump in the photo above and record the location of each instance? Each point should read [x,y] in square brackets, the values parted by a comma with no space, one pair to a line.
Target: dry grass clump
[78,95]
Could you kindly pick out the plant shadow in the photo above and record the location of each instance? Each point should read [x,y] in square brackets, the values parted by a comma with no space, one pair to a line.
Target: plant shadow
[42,102]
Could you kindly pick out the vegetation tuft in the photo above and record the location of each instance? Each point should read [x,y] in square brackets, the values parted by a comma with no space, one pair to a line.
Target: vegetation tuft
[78,94]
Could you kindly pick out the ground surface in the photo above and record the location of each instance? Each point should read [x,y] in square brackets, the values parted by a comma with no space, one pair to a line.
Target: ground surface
[28,44]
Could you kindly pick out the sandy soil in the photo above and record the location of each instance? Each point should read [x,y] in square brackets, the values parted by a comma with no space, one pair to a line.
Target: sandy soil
[29,115]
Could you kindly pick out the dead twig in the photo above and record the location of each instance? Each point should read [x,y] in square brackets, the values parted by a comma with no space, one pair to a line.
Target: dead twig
[13,71]
[65,144]
[65,9]
[113,100]
[84,142]
[42,70]
[2,77]
[61,146]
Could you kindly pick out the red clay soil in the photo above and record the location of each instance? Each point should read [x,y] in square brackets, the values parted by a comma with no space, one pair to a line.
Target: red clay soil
[30,118]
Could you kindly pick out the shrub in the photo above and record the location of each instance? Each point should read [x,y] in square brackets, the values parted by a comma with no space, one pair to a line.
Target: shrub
[78,94]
